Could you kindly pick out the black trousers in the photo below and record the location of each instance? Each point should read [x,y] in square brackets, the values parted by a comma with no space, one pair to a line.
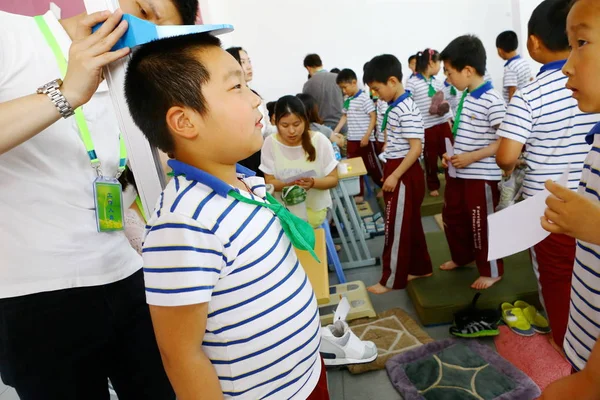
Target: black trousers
[65,344]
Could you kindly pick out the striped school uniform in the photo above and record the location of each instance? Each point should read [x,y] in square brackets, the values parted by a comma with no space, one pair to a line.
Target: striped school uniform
[517,73]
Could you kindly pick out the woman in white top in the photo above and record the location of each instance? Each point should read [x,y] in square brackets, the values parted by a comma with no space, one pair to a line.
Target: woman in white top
[297,152]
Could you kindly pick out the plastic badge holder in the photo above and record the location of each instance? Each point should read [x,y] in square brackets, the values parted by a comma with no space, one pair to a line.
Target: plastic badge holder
[141,32]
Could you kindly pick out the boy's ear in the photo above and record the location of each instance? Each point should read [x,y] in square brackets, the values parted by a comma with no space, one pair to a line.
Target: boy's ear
[183,122]
[392,80]
[535,44]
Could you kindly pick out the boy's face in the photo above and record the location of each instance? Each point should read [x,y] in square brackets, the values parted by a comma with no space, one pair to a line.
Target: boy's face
[459,79]
[230,130]
[160,12]
[385,91]
[349,88]
[583,66]
[412,65]
[501,53]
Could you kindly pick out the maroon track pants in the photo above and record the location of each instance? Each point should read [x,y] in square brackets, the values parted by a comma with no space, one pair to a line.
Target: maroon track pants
[369,157]
[435,147]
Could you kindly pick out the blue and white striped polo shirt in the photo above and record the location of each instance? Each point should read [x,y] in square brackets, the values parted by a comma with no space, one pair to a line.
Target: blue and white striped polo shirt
[544,116]
[381,108]
[583,329]
[452,96]
[517,73]
[359,116]
[482,111]
[404,122]
[202,246]
[420,92]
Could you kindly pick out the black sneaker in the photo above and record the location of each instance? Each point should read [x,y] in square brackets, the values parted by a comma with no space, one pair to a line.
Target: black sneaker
[475,329]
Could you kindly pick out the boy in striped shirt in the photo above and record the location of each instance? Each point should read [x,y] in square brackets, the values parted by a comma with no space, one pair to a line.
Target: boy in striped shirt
[234,313]
[405,256]
[360,114]
[578,214]
[517,73]
[545,117]
[473,194]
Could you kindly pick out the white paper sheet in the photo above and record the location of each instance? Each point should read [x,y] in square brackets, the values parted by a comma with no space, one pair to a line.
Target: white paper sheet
[518,227]
[342,310]
[450,153]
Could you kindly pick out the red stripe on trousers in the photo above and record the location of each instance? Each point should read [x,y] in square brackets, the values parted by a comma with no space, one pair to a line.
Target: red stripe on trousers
[465,221]
[369,157]
[411,255]
[435,147]
[320,392]
[555,257]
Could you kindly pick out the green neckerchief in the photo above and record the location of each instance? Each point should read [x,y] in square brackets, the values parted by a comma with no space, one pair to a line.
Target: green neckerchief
[460,109]
[399,100]
[432,90]
[453,91]
[349,99]
[300,233]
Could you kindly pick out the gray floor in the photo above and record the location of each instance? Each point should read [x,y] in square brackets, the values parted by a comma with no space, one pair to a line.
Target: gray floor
[376,385]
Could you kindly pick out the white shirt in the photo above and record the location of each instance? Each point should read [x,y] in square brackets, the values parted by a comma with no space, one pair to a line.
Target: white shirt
[452,99]
[263,328]
[517,73]
[285,162]
[483,110]
[583,329]
[381,107]
[544,116]
[48,235]
[404,122]
[420,92]
[359,116]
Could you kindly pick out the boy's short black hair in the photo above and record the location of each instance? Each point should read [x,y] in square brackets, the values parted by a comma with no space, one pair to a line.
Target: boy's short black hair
[382,68]
[466,51]
[548,23]
[413,57]
[345,76]
[335,70]
[313,61]
[188,9]
[507,41]
[163,74]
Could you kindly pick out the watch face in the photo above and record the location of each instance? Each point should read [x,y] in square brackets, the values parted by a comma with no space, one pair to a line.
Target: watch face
[58,82]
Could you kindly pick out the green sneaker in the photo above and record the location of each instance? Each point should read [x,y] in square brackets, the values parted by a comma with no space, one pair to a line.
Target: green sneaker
[516,321]
[538,322]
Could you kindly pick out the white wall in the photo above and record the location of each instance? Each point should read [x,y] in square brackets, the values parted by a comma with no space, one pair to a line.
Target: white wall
[347,33]
[526,7]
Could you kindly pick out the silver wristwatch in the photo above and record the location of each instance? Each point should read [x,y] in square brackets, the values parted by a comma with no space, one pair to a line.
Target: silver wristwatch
[52,90]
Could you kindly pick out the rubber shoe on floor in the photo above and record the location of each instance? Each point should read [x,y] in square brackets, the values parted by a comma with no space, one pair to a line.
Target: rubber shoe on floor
[516,321]
[340,346]
[538,322]
[475,329]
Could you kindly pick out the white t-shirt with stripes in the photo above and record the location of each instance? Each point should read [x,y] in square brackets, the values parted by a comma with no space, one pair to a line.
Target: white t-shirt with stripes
[420,93]
[482,111]
[202,246]
[359,116]
[517,73]
[583,329]
[452,99]
[544,116]
[404,122]
[381,108]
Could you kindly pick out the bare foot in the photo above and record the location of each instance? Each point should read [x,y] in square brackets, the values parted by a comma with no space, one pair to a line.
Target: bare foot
[484,282]
[556,347]
[413,277]
[434,193]
[450,265]
[359,199]
[378,289]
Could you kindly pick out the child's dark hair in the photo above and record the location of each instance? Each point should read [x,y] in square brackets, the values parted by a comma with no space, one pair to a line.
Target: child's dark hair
[271,108]
[188,9]
[413,57]
[424,58]
[345,76]
[382,68]
[548,23]
[235,52]
[313,61]
[311,106]
[335,70]
[507,41]
[163,74]
[292,105]
[466,51]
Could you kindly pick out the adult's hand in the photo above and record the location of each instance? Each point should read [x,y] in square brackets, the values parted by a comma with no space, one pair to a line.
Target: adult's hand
[90,52]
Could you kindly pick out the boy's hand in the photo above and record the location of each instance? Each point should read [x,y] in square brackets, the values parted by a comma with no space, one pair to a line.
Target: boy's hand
[389,185]
[445,160]
[571,214]
[305,183]
[364,142]
[462,160]
[338,139]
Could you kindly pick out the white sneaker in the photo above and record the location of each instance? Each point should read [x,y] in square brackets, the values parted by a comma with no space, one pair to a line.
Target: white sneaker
[510,189]
[340,346]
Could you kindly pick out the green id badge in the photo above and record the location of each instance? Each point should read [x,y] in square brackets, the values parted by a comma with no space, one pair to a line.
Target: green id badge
[108,195]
